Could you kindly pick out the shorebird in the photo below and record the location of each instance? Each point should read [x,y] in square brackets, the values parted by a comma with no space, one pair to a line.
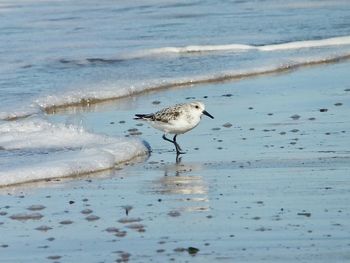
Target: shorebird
[177,119]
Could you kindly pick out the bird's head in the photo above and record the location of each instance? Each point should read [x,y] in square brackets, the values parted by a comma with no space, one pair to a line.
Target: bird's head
[199,107]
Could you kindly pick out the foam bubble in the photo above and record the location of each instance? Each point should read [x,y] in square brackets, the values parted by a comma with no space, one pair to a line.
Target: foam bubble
[41,150]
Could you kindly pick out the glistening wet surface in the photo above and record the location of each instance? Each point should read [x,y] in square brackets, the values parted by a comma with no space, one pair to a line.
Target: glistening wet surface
[265,182]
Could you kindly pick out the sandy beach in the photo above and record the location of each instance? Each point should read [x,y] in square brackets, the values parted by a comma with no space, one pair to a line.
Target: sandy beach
[265,181]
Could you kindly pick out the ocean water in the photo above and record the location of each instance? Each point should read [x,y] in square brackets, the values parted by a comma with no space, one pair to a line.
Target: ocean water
[55,54]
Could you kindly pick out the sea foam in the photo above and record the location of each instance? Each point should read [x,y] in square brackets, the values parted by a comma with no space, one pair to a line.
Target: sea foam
[195,49]
[336,41]
[87,97]
[44,150]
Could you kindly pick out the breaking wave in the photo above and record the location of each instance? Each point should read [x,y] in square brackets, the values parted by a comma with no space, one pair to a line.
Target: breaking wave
[195,49]
[45,150]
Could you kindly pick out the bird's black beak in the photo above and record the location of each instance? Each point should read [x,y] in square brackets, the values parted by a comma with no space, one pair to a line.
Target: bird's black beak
[207,113]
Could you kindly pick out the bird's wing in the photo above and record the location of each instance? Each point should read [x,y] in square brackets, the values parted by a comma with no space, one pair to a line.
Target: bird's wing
[164,115]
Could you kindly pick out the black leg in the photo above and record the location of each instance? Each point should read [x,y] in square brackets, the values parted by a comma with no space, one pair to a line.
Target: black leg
[165,138]
[177,147]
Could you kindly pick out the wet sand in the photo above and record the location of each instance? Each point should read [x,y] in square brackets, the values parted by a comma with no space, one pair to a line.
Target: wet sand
[266,180]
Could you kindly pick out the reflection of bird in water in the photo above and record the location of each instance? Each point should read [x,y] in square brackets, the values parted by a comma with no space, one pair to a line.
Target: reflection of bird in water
[179,181]
[177,119]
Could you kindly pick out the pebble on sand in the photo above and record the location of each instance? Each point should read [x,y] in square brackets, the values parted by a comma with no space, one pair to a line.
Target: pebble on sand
[27,216]
[92,218]
[174,213]
[43,228]
[227,125]
[295,117]
[35,207]
[66,222]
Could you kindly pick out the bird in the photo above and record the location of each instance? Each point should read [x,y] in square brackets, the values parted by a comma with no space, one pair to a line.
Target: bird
[176,119]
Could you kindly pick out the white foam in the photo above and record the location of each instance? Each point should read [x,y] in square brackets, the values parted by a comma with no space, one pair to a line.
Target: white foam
[234,47]
[42,150]
[117,91]
[336,41]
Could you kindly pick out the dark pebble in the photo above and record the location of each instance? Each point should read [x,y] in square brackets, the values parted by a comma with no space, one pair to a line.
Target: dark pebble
[66,222]
[323,110]
[92,218]
[174,213]
[156,102]
[120,234]
[24,216]
[192,250]
[43,228]
[112,230]
[86,211]
[295,117]
[54,257]
[127,220]
[135,133]
[36,207]
[304,214]
[338,104]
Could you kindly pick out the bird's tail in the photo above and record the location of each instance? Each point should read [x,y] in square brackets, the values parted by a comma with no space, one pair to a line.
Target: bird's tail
[143,116]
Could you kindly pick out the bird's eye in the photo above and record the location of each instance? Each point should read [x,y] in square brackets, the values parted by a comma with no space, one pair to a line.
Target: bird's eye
[197,107]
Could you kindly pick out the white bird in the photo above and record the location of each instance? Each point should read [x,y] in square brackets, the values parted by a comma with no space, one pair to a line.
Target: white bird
[176,119]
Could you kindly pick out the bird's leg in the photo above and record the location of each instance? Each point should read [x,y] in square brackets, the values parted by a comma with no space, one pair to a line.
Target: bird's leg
[165,138]
[178,148]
